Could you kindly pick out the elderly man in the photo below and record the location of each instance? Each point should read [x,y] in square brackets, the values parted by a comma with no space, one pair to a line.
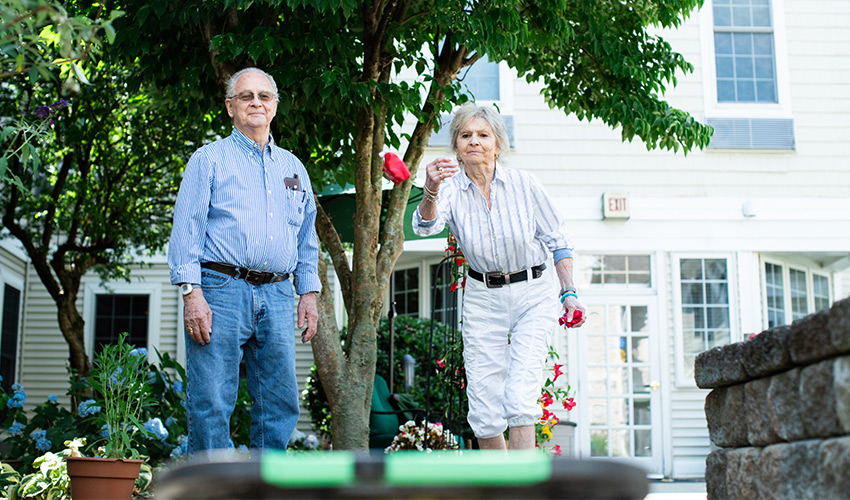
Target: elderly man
[243,228]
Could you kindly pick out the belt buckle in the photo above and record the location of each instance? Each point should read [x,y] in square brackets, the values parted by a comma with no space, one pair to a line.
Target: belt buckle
[493,274]
[254,277]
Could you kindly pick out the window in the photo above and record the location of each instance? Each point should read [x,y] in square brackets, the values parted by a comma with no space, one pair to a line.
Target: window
[747,89]
[705,309]
[406,292]
[618,270]
[482,80]
[744,51]
[444,309]
[116,314]
[9,332]
[792,292]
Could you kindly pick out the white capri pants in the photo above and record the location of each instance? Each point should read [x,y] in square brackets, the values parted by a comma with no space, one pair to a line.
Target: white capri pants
[504,379]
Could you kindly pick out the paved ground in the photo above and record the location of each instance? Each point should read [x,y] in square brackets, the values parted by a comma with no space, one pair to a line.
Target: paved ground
[676,490]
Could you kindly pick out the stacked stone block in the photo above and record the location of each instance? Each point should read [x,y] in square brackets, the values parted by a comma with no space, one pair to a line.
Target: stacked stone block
[779,411]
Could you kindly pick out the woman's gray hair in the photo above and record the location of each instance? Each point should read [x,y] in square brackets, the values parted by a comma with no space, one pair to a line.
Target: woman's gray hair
[469,112]
[231,83]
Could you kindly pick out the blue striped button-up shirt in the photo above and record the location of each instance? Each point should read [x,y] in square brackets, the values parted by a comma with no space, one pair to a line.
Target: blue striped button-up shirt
[233,208]
[512,235]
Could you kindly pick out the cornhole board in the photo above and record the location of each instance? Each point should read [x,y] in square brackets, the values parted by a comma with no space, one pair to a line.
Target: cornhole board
[402,475]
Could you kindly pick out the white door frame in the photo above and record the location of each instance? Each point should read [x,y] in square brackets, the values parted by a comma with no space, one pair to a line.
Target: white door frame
[654,465]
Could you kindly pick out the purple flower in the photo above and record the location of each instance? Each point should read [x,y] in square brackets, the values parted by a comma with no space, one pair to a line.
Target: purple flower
[43,112]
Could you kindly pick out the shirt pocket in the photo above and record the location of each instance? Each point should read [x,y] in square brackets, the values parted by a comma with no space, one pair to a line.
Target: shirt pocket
[296,204]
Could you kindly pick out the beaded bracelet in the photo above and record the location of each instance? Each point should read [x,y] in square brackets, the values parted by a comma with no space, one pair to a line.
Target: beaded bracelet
[568,294]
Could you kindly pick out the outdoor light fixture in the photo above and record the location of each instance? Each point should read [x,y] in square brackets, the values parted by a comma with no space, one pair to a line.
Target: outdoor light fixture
[408,366]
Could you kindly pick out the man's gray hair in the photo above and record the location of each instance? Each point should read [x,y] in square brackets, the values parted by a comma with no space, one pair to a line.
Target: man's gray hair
[469,112]
[231,83]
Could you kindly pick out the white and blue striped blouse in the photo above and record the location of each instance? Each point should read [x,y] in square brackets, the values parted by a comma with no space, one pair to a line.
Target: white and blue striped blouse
[233,208]
[512,235]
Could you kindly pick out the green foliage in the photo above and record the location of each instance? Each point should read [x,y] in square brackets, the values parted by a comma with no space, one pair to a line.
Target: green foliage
[49,481]
[39,40]
[119,378]
[447,396]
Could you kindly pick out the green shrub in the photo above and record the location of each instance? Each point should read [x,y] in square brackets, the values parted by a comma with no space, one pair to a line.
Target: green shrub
[448,403]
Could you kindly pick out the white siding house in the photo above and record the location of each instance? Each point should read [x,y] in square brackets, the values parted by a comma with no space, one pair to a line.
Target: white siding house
[751,233]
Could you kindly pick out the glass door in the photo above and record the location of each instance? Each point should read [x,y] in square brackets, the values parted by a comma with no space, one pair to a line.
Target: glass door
[618,374]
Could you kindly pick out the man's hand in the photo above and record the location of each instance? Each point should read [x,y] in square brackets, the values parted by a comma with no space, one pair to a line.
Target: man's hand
[197,316]
[307,310]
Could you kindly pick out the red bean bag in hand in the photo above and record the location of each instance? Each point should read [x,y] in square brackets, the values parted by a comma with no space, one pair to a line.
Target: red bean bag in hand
[395,169]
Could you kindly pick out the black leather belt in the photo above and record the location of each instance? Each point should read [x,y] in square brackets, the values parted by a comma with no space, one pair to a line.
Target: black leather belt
[249,275]
[497,279]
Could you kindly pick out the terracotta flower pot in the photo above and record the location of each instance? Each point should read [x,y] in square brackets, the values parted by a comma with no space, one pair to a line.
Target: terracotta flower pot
[102,478]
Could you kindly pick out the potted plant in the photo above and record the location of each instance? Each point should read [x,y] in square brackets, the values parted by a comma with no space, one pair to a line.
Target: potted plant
[118,379]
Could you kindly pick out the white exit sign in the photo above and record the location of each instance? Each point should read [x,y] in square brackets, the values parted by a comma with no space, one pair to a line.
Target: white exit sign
[615,206]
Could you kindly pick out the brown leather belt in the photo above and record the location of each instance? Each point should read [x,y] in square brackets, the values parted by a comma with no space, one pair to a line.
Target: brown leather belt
[497,279]
[249,275]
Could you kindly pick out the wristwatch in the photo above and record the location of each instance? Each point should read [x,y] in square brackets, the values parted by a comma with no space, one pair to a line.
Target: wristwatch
[567,289]
[186,288]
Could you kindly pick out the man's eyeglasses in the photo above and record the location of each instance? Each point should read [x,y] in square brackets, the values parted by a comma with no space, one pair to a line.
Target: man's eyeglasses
[248,96]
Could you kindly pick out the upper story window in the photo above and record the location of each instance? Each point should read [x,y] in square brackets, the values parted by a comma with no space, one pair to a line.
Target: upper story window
[792,292]
[482,80]
[747,90]
[744,51]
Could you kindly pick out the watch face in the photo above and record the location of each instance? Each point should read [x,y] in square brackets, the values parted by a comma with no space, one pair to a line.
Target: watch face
[186,288]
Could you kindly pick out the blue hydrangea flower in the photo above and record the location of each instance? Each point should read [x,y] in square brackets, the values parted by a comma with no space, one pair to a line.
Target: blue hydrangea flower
[17,429]
[140,352]
[114,378]
[43,444]
[53,398]
[17,387]
[243,449]
[152,376]
[1,378]
[36,435]
[17,399]
[155,427]
[177,387]
[87,408]
[170,421]
[104,430]
[182,446]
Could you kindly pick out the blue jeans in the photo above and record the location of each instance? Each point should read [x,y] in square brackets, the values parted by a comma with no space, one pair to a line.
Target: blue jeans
[256,321]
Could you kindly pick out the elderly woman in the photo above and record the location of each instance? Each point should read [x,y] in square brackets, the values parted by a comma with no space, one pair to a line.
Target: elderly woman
[505,223]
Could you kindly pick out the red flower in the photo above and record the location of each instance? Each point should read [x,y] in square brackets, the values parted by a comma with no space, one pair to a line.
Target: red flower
[441,363]
[546,414]
[557,450]
[463,283]
[554,420]
[454,286]
[459,261]
[557,370]
[569,404]
[546,399]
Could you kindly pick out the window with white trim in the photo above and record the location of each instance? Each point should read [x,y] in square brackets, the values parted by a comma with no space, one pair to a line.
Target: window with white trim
[406,292]
[704,308]
[445,307]
[793,291]
[631,271]
[121,313]
[482,80]
[744,51]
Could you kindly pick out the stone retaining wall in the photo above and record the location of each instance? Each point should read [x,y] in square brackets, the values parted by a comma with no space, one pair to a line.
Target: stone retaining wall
[779,411]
